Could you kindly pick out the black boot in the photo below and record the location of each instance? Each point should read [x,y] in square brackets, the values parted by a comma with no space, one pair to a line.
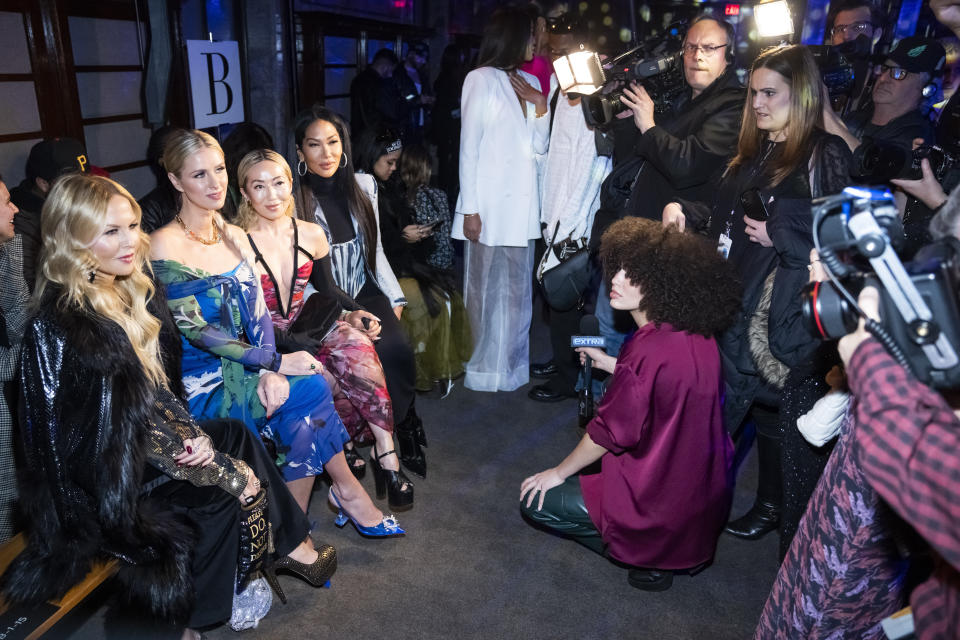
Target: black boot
[764,516]
[410,441]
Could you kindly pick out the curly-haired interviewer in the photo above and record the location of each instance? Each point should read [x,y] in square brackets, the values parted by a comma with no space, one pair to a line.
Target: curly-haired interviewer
[662,496]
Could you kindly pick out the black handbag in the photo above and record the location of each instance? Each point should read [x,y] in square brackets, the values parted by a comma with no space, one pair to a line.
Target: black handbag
[565,283]
[254,539]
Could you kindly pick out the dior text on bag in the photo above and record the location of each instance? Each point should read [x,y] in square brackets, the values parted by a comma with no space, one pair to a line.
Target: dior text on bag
[254,539]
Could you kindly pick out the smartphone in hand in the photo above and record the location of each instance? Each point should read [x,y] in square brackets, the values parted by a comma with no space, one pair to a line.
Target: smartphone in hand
[753,206]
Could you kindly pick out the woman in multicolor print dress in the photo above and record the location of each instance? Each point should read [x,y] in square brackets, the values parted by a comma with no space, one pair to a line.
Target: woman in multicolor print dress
[291,254]
[231,367]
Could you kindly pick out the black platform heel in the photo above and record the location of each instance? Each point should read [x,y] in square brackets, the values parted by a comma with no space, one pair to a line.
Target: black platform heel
[358,466]
[316,574]
[390,483]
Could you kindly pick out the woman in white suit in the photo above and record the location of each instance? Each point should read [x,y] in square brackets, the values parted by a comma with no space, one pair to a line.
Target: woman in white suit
[503,129]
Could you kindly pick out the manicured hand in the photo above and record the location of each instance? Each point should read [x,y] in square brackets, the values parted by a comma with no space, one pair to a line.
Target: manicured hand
[251,490]
[197,452]
[300,363]
[373,328]
[527,93]
[273,390]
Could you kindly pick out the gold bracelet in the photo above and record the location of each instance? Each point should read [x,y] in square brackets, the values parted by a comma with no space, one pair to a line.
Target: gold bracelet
[540,115]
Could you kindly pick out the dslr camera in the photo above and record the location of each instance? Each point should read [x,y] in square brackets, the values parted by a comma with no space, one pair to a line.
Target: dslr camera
[920,315]
[657,65]
[878,161]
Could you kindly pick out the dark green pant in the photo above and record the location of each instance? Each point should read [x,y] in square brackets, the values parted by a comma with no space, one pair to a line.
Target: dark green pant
[564,513]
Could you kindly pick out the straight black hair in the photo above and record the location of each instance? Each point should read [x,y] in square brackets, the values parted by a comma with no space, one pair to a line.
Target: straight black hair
[345,181]
[505,39]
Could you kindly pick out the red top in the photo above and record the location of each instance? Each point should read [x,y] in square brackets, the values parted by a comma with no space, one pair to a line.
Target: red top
[664,492]
[908,442]
[540,66]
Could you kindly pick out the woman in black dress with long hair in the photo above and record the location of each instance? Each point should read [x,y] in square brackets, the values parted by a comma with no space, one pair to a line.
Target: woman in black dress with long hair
[345,205]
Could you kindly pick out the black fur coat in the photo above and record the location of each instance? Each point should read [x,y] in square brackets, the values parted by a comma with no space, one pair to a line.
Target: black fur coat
[85,403]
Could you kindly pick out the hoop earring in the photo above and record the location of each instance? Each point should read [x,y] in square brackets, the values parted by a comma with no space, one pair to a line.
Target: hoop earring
[343,160]
[301,168]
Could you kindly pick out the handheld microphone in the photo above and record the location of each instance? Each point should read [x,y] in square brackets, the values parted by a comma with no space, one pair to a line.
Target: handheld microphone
[589,327]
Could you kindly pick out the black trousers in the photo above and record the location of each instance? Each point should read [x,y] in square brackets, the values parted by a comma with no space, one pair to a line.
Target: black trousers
[216,515]
[563,325]
[565,513]
[394,350]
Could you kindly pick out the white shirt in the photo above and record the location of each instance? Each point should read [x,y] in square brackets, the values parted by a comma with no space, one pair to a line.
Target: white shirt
[570,194]
[498,166]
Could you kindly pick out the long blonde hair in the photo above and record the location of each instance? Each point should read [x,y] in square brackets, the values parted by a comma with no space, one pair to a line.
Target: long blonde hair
[246,214]
[797,66]
[73,217]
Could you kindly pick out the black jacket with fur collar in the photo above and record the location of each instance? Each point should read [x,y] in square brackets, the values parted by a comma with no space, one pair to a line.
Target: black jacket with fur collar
[86,402]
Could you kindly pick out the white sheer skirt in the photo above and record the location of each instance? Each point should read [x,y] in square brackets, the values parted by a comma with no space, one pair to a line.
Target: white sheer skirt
[498,294]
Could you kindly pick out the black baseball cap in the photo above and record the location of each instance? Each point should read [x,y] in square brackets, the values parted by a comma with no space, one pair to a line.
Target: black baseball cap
[919,55]
[51,158]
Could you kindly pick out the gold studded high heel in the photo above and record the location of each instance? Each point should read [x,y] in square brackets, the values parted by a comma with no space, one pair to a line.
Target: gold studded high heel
[316,574]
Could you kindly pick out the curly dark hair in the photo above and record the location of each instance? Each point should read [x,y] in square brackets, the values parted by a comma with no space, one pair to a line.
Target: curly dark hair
[683,280]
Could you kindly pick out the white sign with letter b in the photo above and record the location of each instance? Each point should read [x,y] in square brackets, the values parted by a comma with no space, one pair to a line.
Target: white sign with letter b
[215,82]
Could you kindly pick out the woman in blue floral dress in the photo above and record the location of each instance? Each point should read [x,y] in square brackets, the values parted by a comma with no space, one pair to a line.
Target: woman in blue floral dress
[230,364]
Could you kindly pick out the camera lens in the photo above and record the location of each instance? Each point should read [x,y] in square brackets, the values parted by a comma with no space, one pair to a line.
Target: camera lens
[826,312]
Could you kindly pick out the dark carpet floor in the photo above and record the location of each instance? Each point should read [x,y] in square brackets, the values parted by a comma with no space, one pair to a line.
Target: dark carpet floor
[470,567]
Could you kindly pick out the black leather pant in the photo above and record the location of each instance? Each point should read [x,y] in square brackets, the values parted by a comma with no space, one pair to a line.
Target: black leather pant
[565,513]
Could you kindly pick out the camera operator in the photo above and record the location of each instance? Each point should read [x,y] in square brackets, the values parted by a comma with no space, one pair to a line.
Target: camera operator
[681,154]
[903,81]
[857,24]
[907,441]
[924,212]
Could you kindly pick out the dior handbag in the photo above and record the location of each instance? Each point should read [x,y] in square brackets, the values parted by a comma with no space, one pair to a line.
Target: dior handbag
[564,272]
[254,539]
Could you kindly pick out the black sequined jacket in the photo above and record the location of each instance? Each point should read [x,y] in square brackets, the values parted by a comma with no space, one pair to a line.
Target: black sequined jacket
[84,445]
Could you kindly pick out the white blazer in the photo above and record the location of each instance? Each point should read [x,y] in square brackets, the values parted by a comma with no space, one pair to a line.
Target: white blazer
[498,159]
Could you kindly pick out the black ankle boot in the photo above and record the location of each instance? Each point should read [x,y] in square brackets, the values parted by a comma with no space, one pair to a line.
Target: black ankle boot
[762,518]
[410,442]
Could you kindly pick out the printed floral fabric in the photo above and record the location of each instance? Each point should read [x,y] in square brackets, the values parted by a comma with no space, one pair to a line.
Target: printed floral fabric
[842,574]
[227,340]
[360,396]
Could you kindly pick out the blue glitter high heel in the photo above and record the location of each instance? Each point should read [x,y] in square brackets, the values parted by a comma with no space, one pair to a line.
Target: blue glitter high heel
[387,528]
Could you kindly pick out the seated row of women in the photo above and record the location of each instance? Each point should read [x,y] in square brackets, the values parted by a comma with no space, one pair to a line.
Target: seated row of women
[118,369]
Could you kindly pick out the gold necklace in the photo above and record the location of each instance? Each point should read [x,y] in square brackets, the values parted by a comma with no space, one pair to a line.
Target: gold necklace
[195,236]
